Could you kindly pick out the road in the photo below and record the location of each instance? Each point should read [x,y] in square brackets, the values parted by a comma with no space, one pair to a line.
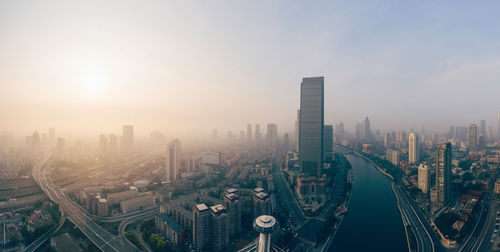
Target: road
[104,240]
[423,238]
[42,239]
[286,198]
[481,234]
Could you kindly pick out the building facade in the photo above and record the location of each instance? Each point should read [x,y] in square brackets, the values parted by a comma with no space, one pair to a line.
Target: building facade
[473,137]
[328,143]
[413,148]
[424,181]
[173,160]
[443,173]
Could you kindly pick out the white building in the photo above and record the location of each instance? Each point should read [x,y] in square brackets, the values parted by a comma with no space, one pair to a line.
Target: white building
[424,182]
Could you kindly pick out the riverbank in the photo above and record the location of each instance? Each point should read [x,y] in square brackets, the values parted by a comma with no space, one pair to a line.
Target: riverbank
[395,195]
[340,217]
[371,206]
[374,164]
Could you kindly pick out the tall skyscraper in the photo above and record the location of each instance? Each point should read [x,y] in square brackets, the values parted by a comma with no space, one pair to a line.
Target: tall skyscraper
[103,144]
[127,143]
[201,227]
[424,181]
[261,203]
[214,133]
[220,228]
[258,136]
[443,173]
[272,134]
[473,137]
[387,140]
[366,131]
[482,128]
[233,206]
[113,143]
[52,135]
[297,130]
[35,140]
[173,160]
[328,143]
[311,130]
[249,132]
[339,130]
[413,149]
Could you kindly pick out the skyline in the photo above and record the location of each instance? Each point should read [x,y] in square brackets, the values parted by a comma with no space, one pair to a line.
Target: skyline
[134,64]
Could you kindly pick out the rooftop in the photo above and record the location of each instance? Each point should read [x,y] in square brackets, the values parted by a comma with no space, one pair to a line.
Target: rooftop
[217,209]
[231,196]
[201,207]
[262,195]
[171,223]
[258,189]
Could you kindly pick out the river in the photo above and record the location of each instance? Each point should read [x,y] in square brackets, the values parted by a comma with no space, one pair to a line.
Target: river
[373,222]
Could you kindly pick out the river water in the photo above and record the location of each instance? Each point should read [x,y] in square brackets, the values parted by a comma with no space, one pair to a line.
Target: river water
[373,222]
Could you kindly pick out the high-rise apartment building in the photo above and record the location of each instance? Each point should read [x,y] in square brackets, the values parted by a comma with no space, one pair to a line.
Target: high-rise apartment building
[272,134]
[366,131]
[233,206]
[261,203]
[328,143]
[413,148]
[311,130]
[339,130]
[392,156]
[103,144]
[473,137]
[219,228]
[443,173]
[173,160]
[249,132]
[424,180]
[258,135]
[113,143]
[202,219]
[127,141]
[482,125]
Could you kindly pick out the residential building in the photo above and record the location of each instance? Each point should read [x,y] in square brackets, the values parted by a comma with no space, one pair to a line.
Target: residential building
[173,160]
[424,181]
[473,137]
[443,173]
[219,228]
[233,206]
[173,231]
[127,143]
[202,219]
[413,149]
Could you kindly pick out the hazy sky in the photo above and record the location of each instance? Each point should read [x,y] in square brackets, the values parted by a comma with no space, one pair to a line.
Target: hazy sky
[185,67]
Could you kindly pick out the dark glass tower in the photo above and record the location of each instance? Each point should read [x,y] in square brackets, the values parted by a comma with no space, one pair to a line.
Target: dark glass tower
[311,131]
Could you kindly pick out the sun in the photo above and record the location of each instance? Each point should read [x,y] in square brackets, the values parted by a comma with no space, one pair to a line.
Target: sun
[93,83]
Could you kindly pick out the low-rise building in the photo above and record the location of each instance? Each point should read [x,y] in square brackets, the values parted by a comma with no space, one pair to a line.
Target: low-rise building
[138,203]
[497,187]
[114,198]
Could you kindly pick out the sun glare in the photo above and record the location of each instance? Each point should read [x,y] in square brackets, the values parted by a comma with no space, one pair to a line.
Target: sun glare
[93,83]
